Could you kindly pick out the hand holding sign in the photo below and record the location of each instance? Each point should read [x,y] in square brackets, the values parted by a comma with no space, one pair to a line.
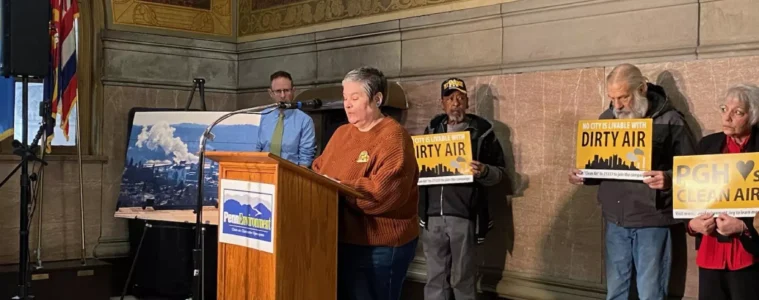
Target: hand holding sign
[703,224]
[477,168]
[727,225]
[574,176]
[657,180]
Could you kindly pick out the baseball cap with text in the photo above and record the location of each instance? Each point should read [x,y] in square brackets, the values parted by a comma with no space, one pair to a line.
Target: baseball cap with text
[452,84]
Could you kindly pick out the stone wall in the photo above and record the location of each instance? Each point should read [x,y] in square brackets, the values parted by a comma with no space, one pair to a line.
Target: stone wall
[534,67]
[61,231]
[550,234]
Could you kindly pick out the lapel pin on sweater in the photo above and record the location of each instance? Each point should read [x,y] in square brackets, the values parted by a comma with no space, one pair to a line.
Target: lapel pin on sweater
[363,157]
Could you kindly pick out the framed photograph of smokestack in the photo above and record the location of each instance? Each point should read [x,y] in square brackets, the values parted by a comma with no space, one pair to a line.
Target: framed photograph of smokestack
[614,149]
[159,181]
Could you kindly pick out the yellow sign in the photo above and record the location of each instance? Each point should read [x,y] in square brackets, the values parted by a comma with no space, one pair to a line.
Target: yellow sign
[444,158]
[719,183]
[614,149]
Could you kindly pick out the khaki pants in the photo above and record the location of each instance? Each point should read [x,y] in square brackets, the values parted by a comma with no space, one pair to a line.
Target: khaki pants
[449,245]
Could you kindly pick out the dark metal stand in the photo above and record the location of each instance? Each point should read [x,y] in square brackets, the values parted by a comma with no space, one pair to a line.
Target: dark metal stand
[198,282]
[134,261]
[27,154]
[198,83]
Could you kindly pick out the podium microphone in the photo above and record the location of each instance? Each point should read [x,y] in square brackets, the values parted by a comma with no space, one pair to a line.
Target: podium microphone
[315,103]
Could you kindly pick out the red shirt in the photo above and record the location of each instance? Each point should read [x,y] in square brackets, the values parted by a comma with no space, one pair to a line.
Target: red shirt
[713,254]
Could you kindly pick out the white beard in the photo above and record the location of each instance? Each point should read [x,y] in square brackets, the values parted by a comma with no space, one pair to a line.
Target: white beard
[638,110]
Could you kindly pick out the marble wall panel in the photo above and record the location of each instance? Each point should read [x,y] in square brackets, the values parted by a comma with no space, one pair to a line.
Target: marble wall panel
[534,115]
[696,88]
[550,229]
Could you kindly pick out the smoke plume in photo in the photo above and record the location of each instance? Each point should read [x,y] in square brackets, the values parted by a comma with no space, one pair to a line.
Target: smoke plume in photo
[162,135]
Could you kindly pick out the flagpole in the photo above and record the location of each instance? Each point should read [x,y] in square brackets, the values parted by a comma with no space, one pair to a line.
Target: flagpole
[81,183]
[79,149]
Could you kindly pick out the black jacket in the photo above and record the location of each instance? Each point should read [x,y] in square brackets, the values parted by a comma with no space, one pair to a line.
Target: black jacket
[713,144]
[467,200]
[632,203]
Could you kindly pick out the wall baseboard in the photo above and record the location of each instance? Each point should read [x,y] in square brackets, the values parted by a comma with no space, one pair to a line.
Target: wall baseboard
[513,286]
[516,287]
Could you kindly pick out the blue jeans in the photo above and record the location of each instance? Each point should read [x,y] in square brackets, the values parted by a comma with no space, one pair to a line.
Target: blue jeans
[649,250]
[372,273]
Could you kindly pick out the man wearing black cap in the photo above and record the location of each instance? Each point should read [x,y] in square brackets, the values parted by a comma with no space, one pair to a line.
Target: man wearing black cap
[455,217]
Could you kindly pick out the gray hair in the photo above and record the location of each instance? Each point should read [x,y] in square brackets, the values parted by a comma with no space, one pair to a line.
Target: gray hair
[372,79]
[629,73]
[747,94]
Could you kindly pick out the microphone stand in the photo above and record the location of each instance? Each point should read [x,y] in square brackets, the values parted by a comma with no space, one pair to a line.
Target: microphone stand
[197,253]
[27,154]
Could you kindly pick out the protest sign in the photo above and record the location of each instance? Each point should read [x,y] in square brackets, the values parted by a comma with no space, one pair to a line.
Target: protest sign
[614,149]
[719,183]
[444,158]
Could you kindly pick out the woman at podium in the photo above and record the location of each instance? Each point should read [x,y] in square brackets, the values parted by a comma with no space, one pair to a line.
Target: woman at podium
[374,155]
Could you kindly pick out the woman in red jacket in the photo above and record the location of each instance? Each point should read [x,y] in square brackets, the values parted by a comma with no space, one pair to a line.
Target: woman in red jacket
[728,247]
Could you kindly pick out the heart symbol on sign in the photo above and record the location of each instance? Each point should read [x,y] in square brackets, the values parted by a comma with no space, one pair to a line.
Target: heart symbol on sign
[745,168]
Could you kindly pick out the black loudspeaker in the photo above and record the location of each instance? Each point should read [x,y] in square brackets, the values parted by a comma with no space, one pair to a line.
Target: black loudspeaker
[25,37]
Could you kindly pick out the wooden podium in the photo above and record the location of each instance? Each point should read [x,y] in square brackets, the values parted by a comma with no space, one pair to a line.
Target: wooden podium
[301,261]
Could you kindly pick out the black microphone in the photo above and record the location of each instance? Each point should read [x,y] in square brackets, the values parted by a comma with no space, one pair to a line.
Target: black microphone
[315,103]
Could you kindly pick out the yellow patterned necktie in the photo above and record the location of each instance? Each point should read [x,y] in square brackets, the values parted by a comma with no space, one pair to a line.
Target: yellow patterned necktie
[276,137]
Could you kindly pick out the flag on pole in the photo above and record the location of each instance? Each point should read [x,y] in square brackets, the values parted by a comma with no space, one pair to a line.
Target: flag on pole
[7,102]
[68,82]
[61,86]
[50,84]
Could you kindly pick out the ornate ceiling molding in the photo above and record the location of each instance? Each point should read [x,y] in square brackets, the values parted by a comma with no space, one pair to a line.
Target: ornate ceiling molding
[262,16]
[196,16]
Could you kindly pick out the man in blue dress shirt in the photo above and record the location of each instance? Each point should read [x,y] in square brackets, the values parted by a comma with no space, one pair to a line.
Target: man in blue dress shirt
[288,133]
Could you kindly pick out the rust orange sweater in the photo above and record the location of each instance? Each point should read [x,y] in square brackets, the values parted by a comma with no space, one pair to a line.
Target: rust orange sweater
[379,163]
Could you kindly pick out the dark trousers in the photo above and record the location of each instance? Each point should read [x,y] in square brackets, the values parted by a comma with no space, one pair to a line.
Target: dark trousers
[729,285]
[449,246]
[372,273]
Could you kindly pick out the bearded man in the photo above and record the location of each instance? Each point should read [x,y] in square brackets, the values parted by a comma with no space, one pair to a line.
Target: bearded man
[638,214]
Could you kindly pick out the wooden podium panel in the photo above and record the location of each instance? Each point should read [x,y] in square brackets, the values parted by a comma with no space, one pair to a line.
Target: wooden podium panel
[243,273]
[307,242]
[303,264]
